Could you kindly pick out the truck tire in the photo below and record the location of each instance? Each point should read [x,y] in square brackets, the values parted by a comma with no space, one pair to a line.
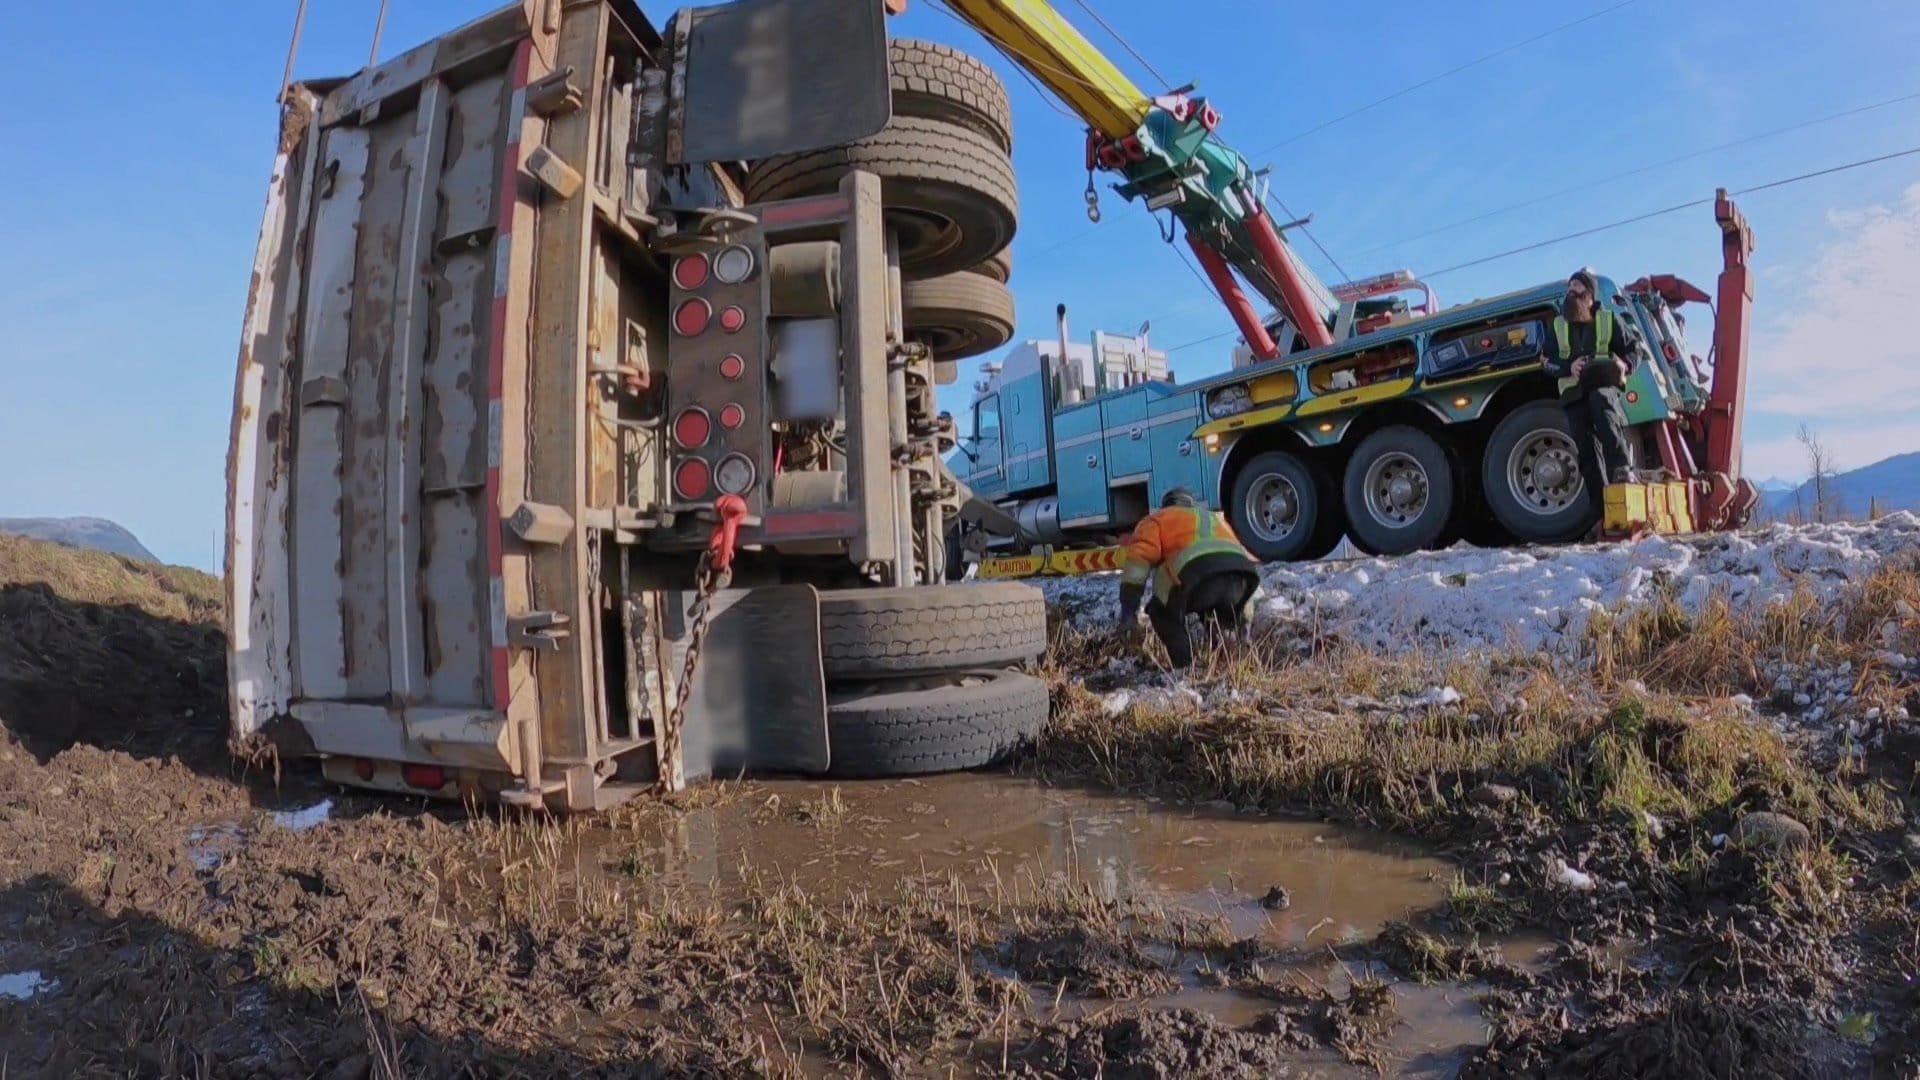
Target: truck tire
[1530,475]
[1399,491]
[936,82]
[948,190]
[881,633]
[958,315]
[1284,508]
[966,721]
[999,268]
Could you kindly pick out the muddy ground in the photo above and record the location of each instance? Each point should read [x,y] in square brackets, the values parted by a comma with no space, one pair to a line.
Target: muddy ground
[1581,873]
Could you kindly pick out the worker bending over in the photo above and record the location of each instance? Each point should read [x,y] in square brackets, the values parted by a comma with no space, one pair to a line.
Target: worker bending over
[1198,568]
[1592,357]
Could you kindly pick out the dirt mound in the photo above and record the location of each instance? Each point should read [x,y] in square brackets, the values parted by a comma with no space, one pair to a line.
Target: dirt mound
[99,649]
[1690,1037]
[1087,961]
[1156,1045]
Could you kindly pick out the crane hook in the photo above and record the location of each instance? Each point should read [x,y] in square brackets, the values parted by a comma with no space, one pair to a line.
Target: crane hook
[1093,200]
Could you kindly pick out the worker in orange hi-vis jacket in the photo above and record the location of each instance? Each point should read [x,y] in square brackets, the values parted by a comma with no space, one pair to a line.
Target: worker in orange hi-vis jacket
[1197,567]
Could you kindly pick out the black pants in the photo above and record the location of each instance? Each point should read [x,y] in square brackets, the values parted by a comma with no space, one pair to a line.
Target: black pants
[1597,426]
[1218,593]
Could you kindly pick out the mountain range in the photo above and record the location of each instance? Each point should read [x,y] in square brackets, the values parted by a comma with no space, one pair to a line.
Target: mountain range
[1891,484]
[95,534]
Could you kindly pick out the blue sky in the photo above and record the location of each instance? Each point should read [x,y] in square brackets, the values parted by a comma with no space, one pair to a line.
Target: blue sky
[131,194]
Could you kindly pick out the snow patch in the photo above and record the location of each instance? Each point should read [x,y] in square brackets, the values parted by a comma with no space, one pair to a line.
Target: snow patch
[1573,878]
[1536,600]
[300,821]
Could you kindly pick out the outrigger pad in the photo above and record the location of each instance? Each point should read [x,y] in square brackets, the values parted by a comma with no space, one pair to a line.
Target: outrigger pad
[760,693]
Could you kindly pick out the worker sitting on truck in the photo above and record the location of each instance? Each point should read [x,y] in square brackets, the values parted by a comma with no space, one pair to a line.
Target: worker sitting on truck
[1593,355]
[1198,568]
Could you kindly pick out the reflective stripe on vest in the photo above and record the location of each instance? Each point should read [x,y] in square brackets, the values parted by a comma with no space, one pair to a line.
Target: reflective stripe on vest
[1205,542]
[1602,341]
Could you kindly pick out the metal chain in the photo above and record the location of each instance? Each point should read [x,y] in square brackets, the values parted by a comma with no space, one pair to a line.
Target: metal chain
[707,581]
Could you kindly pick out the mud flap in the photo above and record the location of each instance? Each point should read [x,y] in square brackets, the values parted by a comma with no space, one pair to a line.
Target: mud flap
[760,695]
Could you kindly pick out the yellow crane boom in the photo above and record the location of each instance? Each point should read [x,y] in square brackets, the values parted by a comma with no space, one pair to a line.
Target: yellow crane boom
[1059,56]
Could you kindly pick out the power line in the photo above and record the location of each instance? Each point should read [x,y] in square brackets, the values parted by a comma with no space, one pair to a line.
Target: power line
[1019,62]
[1165,83]
[1637,218]
[1022,60]
[1202,341]
[1430,80]
[1591,184]
[1291,216]
[1634,220]
[1197,275]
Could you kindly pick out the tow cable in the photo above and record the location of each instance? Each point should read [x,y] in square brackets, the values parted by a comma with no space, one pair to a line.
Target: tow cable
[712,574]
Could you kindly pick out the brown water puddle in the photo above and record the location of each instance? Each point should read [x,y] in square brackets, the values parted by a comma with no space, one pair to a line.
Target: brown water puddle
[986,830]
[999,835]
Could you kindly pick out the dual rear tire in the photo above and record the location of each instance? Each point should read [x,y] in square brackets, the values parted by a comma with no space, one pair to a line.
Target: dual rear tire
[919,679]
[1405,491]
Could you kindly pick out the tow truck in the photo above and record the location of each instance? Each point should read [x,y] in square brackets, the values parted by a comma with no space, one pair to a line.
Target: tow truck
[1365,410]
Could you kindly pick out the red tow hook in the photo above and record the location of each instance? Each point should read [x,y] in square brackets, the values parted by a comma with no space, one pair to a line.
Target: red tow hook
[732,510]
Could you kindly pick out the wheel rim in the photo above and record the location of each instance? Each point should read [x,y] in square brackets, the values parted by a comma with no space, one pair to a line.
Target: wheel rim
[1273,508]
[1397,489]
[1543,472]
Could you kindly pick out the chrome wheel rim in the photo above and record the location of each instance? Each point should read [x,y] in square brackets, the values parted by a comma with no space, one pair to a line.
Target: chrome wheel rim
[1397,489]
[1543,472]
[1273,508]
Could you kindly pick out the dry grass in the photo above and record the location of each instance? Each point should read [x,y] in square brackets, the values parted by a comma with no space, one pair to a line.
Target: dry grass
[1727,649]
[1648,731]
[93,577]
[101,649]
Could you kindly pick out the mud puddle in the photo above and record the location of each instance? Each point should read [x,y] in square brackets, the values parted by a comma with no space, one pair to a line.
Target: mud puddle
[1289,883]
[1301,889]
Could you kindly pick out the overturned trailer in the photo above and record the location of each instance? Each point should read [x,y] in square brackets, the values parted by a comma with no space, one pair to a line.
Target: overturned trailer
[581,441]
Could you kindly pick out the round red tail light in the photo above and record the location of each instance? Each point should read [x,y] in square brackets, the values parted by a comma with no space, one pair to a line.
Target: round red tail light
[692,428]
[690,272]
[732,319]
[732,367]
[732,416]
[1672,351]
[691,480]
[690,318]
[363,768]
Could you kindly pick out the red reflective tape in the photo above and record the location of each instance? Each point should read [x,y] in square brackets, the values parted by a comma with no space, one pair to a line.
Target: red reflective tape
[494,525]
[814,523]
[801,211]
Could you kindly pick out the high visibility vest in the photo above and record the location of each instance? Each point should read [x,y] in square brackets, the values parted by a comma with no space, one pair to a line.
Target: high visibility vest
[1211,536]
[1602,341]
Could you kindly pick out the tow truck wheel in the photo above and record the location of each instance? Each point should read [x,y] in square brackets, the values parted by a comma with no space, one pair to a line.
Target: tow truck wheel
[1399,491]
[881,633]
[1531,476]
[1284,508]
[948,190]
[957,720]
[958,315]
